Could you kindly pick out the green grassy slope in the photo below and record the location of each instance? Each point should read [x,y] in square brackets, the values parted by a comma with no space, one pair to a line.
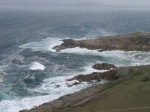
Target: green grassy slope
[129,95]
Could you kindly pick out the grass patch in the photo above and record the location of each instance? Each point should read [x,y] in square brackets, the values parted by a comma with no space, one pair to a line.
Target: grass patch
[129,93]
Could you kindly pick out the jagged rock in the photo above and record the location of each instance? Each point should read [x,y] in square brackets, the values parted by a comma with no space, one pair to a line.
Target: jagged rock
[104,66]
[129,42]
[68,40]
[109,75]
[68,43]
[58,47]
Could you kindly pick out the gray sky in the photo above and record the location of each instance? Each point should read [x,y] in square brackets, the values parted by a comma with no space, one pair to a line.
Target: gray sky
[38,3]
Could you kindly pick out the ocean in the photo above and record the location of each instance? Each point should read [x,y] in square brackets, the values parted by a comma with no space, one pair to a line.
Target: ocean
[32,73]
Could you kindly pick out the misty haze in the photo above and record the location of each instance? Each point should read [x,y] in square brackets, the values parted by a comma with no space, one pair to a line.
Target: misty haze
[75,3]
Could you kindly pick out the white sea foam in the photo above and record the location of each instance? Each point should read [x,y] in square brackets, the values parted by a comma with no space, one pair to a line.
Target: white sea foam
[50,84]
[78,50]
[54,87]
[85,51]
[88,69]
[117,57]
[25,103]
[43,45]
[36,66]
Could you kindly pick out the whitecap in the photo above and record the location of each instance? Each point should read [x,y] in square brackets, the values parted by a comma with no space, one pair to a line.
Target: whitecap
[78,50]
[49,86]
[36,66]
[43,45]
[117,57]
[88,70]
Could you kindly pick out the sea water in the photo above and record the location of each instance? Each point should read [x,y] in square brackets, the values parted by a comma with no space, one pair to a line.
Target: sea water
[32,73]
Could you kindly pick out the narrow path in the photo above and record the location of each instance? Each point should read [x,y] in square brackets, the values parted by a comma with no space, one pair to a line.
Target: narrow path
[87,99]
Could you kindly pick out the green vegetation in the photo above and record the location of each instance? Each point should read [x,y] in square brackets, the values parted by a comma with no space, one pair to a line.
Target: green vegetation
[129,95]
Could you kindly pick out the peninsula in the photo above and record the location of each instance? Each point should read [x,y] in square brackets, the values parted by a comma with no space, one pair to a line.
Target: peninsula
[128,42]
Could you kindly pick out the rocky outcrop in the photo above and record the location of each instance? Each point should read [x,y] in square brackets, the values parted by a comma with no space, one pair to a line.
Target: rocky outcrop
[129,42]
[104,66]
[109,75]
[67,43]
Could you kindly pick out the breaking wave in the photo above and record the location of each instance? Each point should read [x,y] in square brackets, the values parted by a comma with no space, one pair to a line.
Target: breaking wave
[53,88]
[36,66]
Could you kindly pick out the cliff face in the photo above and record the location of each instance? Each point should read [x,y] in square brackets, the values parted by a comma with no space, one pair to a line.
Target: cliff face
[129,42]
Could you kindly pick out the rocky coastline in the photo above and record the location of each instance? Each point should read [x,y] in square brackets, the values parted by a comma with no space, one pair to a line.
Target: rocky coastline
[108,75]
[129,42]
[100,97]
[105,94]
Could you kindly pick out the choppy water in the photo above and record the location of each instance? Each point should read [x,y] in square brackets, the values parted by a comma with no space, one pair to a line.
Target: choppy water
[30,69]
